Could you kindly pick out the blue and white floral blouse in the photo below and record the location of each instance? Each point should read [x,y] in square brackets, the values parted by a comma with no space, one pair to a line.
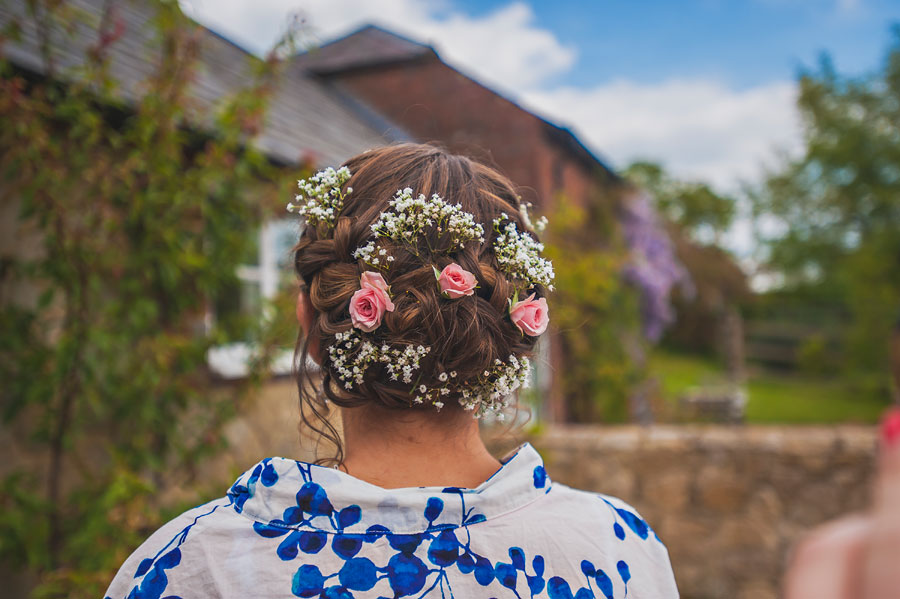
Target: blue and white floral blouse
[292,529]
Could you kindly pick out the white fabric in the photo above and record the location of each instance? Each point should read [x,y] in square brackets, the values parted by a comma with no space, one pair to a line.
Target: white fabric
[292,529]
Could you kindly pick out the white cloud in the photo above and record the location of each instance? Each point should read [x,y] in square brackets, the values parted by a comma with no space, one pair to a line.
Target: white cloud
[505,48]
[696,128]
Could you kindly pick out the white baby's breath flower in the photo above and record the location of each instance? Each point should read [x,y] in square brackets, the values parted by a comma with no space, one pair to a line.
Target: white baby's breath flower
[321,198]
[494,392]
[519,255]
[539,225]
[408,218]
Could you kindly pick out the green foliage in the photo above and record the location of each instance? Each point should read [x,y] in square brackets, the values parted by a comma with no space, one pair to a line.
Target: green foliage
[839,204]
[692,206]
[594,312]
[139,218]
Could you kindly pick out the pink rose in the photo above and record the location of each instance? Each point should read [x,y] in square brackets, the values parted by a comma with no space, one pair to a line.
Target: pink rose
[374,280]
[368,305]
[455,281]
[530,316]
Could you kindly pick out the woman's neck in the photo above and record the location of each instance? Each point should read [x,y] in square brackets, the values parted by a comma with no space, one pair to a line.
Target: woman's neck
[415,448]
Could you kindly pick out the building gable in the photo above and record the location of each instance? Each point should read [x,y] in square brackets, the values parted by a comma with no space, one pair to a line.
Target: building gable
[409,84]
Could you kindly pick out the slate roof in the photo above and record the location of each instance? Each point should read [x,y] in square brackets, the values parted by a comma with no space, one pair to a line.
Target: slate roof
[307,118]
[366,47]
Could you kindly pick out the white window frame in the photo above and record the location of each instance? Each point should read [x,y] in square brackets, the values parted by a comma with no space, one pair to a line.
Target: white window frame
[231,361]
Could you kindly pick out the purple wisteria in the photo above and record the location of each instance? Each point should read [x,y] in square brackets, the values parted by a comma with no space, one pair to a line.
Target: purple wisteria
[653,267]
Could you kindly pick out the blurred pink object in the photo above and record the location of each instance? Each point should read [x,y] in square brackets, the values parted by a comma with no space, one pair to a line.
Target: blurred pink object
[890,427]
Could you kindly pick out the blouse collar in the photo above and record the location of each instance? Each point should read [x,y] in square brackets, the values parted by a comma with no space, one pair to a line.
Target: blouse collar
[283,493]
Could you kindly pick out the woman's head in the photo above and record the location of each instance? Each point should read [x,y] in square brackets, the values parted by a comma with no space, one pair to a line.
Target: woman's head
[463,338]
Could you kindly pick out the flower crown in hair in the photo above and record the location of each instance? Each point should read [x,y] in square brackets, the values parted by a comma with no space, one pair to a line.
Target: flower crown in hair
[405,224]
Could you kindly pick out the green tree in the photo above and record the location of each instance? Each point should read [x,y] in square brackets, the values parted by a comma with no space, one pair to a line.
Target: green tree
[695,207]
[832,216]
[140,217]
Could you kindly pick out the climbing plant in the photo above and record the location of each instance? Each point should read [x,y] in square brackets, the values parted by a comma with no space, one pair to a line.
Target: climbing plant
[594,311]
[132,212]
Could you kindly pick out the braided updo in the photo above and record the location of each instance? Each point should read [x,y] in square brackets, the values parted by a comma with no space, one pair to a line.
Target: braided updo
[466,336]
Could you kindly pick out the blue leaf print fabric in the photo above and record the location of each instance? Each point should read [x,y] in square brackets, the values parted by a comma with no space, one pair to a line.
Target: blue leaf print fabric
[292,529]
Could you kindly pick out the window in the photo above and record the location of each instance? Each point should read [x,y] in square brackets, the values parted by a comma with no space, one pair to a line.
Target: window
[268,269]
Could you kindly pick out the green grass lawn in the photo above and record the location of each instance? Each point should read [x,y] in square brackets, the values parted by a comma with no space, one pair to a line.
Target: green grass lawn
[773,397]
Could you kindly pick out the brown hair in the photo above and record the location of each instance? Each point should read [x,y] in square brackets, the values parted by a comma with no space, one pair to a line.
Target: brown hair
[465,335]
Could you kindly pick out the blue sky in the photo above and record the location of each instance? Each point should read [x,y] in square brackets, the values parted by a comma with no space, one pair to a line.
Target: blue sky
[743,43]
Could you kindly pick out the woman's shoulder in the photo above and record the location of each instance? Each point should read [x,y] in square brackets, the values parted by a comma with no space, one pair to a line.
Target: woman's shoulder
[621,516]
[148,569]
[609,531]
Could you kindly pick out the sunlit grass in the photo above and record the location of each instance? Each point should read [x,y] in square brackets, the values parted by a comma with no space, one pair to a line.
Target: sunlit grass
[773,397]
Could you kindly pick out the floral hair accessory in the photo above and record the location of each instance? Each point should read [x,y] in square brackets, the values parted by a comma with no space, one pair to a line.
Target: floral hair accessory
[427,227]
[322,196]
[539,225]
[409,216]
[370,302]
[455,281]
[350,355]
[518,254]
[493,392]
[490,392]
[530,315]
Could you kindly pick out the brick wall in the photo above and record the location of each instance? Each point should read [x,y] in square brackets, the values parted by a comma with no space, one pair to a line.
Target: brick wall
[434,102]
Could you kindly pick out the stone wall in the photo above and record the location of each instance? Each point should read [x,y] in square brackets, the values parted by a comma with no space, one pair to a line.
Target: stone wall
[728,502]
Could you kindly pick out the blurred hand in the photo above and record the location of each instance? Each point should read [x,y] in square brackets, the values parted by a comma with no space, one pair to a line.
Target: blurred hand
[857,557]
